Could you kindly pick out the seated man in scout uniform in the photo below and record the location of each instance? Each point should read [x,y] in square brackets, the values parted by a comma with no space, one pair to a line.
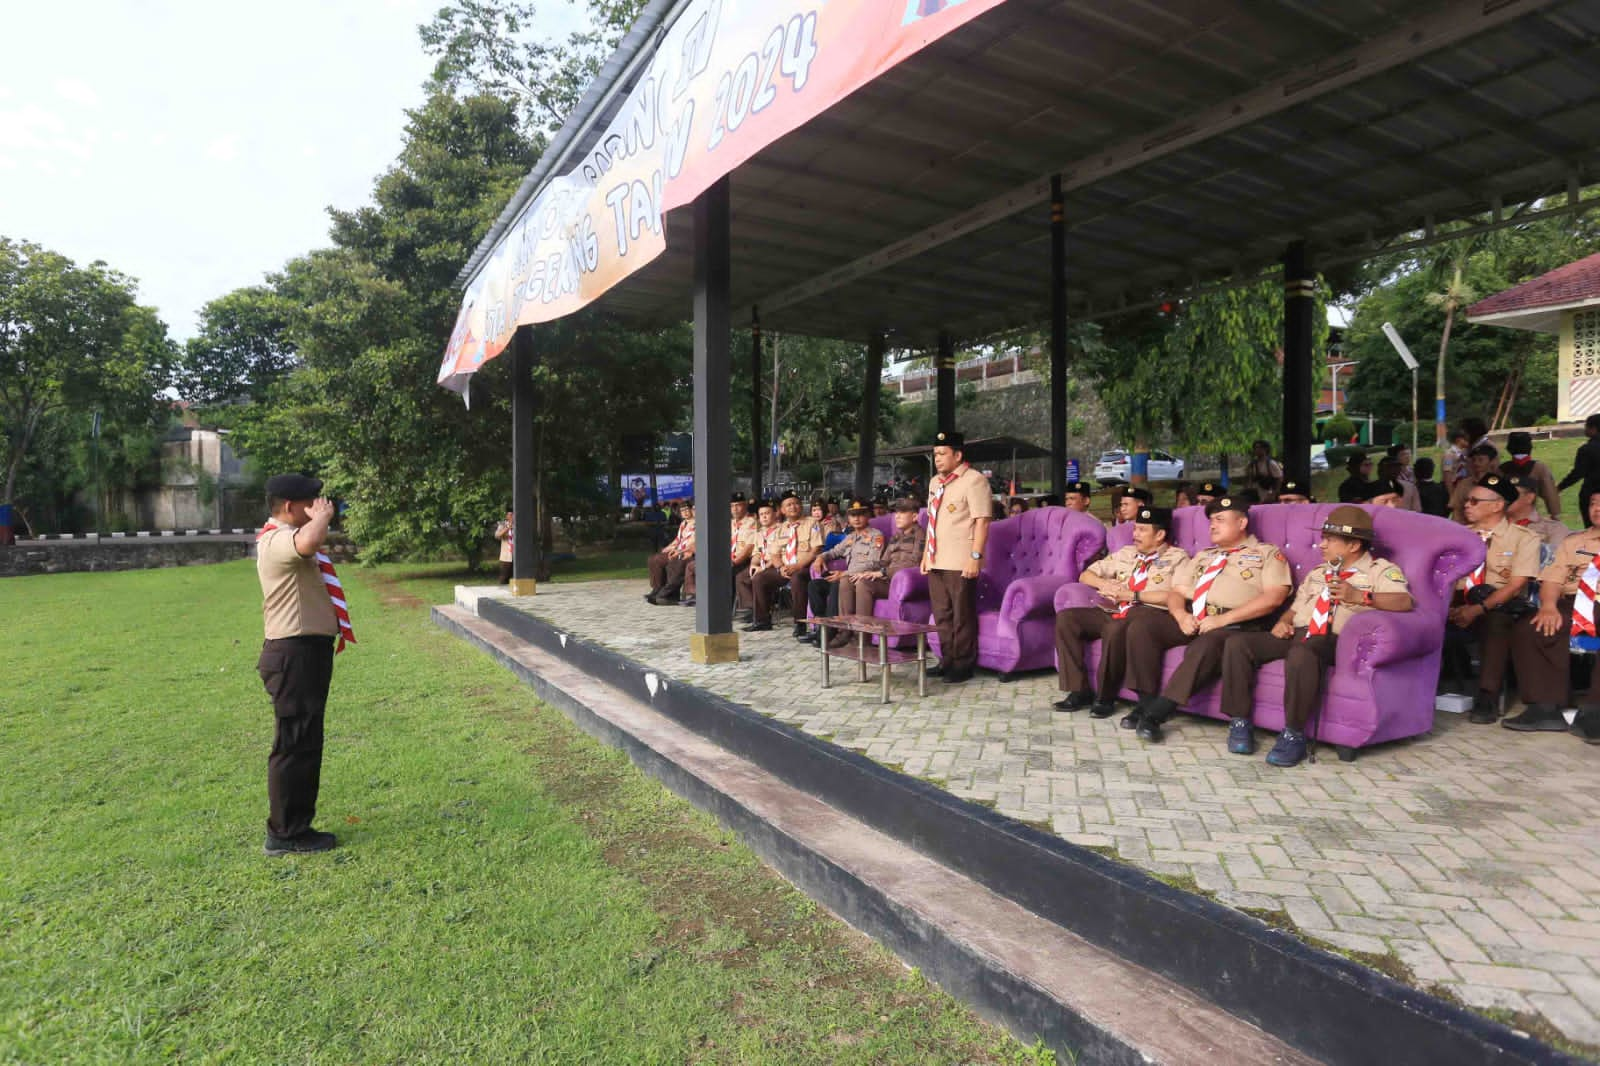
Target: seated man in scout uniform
[798,541]
[1137,577]
[1492,599]
[1237,585]
[1079,494]
[1541,647]
[860,549]
[859,593]
[1525,513]
[741,530]
[763,542]
[1133,497]
[1351,581]
[668,566]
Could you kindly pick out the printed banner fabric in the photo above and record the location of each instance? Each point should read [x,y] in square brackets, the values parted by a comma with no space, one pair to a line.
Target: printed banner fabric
[730,77]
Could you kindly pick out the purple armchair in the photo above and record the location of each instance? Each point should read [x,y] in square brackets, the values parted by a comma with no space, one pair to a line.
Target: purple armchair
[1029,558]
[1387,667]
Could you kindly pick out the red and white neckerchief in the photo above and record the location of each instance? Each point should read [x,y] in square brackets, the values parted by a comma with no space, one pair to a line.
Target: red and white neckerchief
[1203,589]
[934,498]
[684,543]
[1138,578]
[1583,603]
[1322,610]
[330,581]
[733,541]
[1480,575]
[791,545]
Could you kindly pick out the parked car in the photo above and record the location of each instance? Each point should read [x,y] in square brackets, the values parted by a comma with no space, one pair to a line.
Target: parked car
[1115,467]
[1319,458]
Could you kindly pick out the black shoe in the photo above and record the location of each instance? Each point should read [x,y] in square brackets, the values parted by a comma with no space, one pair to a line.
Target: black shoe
[956,677]
[1485,710]
[799,631]
[813,638]
[1103,709]
[1152,712]
[687,601]
[1587,724]
[1538,718]
[305,844]
[936,670]
[1074,701]
[1132,719]
[758,627]
[650,597]
[1149,729]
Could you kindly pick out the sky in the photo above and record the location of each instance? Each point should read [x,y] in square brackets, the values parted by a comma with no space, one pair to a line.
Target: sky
[197,146]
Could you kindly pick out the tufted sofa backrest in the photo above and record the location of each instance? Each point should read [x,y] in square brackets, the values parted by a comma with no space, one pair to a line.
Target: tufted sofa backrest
[1044,540]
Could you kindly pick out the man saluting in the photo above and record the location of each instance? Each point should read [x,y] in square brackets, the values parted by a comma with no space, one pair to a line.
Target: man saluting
[303,612]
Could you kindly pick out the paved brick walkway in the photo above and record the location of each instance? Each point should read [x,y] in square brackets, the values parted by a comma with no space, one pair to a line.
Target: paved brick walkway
[1471,854]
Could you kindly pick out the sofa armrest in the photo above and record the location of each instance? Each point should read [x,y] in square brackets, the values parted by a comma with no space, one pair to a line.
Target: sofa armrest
[909,584]
[1077,594]
[1379,638]
[1027,597]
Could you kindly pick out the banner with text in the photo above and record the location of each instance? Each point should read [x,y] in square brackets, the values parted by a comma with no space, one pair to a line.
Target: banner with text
[729,78]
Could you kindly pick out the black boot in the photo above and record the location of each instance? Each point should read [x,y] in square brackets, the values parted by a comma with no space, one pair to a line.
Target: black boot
[1075,701]
[1538,718]
[1156,710]
[1587,724]
[1485,709]
[1103,709]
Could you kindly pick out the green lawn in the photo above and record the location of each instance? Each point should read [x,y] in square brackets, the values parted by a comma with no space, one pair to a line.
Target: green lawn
[507,890]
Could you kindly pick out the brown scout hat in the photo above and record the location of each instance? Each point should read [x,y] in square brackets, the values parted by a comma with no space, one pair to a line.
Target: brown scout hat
[1349,521]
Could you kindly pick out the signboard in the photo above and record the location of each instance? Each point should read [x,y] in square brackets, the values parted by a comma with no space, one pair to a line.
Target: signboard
[728,79]
[669,487]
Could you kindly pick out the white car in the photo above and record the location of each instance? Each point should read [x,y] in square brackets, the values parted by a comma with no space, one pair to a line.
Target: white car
[1319,458]
[1114,468]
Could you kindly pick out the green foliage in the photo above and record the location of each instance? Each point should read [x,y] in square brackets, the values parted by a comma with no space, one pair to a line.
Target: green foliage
[241,351]
[73,341]
[1338,428]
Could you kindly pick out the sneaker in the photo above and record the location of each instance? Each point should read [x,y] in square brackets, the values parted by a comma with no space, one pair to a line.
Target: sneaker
[1538,718]
[1587,724]
[1241,738]
[306,843]
[1485,710]
[1290,749]
[1074,701]
[1103,709]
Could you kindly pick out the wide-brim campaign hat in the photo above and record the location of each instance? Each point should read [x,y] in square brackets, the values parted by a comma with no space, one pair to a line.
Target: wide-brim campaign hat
[294,487]
[1349,521]
[949,438]
[1228,503]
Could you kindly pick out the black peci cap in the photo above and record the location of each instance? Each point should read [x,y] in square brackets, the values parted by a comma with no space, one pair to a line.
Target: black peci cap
[949,438]
[1082,488]
[1228,503]
[1142,495]
[294,487]
[1500,484]
[1160,517]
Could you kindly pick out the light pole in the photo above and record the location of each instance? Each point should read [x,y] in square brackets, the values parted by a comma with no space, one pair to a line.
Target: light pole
[1411,362]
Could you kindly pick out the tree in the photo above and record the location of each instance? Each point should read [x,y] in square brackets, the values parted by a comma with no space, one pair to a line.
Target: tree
[72,339]
[241,351]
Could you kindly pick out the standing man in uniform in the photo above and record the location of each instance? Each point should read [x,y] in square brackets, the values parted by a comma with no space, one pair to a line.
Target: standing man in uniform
[303,612]
[669,566]
[859,593]
[1585,470]
[1492,599]
[1237,585]
[1137,576]
[960,507]
[1541,647]
[1351,580]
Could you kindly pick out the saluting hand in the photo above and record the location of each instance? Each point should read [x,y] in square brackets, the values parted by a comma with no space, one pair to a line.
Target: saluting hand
[321,508]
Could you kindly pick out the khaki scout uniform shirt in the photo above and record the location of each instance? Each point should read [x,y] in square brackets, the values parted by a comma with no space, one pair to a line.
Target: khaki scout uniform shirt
[1540,477]
[746,533]
[1512,552]
[1170,561]
[1251,570]
[808,539]
[1551,531]
[295,602]
[903,550]
[860,551]
[1371,575]
[769,548]
[1568,566]
[965,499]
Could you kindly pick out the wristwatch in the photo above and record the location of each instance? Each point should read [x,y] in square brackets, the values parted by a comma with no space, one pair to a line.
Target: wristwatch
[977,556]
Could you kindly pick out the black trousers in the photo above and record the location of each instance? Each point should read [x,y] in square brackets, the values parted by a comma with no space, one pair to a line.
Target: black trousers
[296,672]
[824,597]
[955,612]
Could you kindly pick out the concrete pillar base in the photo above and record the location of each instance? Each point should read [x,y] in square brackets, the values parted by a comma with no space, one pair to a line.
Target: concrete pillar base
[524,586]
[714,648]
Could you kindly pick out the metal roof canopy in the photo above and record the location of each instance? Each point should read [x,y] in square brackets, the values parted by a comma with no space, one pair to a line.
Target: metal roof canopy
[1195,139]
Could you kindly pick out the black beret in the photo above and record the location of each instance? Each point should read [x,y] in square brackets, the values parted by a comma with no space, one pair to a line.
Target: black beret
[1142,495]
[294,487]
[1082,488]
[949,438]
[1160,517]
[1228,503]
[1501,485]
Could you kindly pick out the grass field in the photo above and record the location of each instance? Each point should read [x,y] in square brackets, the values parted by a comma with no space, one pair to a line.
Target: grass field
[507,891]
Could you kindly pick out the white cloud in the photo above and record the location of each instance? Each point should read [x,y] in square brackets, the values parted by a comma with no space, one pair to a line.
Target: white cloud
[77,92]
[224,149]
[33,130]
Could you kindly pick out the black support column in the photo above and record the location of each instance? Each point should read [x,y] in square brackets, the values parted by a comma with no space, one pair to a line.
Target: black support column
[525,547]
[714,640]
[1058,339]
[871,386]
[1299,309]
[758,443]
[944,365]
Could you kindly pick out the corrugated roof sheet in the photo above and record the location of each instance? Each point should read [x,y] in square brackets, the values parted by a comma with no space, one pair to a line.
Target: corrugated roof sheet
[1562,287]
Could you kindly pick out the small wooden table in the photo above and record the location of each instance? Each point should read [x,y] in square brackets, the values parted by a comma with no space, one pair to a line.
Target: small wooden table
[886,630]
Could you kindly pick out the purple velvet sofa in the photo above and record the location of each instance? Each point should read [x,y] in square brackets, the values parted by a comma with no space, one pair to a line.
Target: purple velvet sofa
[1387,669]
[1028,558]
